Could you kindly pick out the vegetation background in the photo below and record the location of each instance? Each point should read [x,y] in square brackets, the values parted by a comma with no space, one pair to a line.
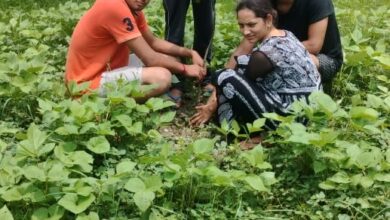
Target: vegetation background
[111,158]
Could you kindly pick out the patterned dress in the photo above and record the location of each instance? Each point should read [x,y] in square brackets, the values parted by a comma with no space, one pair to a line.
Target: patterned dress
[294,76]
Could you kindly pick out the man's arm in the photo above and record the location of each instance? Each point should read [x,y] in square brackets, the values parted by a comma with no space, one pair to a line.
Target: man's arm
[245,47]
[316,36]
[171,49]
[152,58]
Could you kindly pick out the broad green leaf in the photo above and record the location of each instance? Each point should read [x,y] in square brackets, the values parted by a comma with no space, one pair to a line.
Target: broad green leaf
[256,126]
[369,159]
[256,183]
[158,103]
[54,212]
[35,140]
[381,45]
[90,216]
[235,127]
[324,102]
[142,109]
[384,60]
[268,178]
[340,177]
[82,159]
[374,101]
[76,204]
[67,130]
[167,117]
[274,116]
[33,172]
[319,166]
[125,120]
[45,105]
[135,185]
[343,217]
[45,149]
[3,146]
[136,128]
[57,173]
[327,185]
[98,145]
[104,129]
[387,155]
[255,158]
[203,146]
[259,123]
[218,177]
[13,194]
[87,127]
[144,199]
[357,36]
[153,183]
[360,112]
[384,177]
[366,181]
[5,214]
[172,166]
[125,166]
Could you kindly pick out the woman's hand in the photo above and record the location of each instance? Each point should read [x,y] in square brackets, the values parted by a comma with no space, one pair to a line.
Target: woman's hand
[205,112]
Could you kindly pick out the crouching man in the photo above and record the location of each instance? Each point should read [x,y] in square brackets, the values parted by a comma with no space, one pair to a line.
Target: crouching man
[105,36]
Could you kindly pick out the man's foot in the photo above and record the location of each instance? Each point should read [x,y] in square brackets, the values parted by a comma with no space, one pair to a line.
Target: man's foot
[176,96]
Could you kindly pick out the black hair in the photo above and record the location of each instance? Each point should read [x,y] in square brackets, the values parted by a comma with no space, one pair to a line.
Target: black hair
[261,8]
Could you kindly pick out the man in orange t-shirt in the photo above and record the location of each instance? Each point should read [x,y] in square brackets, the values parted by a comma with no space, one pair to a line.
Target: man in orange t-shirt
[104,38]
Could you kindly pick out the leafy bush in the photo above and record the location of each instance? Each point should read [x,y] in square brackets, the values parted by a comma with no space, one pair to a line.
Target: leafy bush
[95,157]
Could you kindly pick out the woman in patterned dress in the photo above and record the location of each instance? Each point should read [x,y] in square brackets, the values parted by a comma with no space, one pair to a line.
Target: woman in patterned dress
[277,72]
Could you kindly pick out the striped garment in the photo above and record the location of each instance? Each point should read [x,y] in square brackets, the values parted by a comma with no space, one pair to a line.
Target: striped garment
[294,76]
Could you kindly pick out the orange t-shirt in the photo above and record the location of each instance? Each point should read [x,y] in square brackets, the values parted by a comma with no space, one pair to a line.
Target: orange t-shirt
[99,38]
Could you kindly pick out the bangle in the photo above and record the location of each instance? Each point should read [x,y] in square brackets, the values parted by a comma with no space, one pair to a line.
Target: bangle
[184,69]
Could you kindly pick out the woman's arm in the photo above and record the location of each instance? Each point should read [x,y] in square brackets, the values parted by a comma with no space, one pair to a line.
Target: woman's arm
[258,66]
[245,47]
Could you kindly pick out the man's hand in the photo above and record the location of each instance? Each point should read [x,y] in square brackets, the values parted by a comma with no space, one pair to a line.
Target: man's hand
[194,71]
[196,59]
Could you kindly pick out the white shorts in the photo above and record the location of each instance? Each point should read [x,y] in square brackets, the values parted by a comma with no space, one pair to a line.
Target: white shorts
[128,73]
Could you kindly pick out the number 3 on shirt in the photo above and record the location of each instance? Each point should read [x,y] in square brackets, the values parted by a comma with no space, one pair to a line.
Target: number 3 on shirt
[129,24]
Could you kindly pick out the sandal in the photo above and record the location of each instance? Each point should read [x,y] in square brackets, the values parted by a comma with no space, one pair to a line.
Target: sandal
[177,99]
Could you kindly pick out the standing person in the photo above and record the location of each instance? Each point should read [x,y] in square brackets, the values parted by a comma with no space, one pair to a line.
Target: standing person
[204,24]
[103,39]
[276,73]
[314,23]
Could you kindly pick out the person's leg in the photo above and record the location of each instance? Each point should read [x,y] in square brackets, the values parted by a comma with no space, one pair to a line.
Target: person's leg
[158,76]
[175,19]
[244,100]
[328,68]
[204,25]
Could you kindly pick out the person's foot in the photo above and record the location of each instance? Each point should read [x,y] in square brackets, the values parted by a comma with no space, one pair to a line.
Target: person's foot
[176,96]
[250,143]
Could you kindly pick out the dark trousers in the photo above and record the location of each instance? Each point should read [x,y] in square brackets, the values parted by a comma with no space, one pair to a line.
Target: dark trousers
[204,24]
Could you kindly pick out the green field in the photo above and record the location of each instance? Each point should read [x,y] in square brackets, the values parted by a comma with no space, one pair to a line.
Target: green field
[111,158]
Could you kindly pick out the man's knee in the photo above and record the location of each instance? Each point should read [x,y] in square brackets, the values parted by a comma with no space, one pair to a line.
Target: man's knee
[158,76]
[164,78]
